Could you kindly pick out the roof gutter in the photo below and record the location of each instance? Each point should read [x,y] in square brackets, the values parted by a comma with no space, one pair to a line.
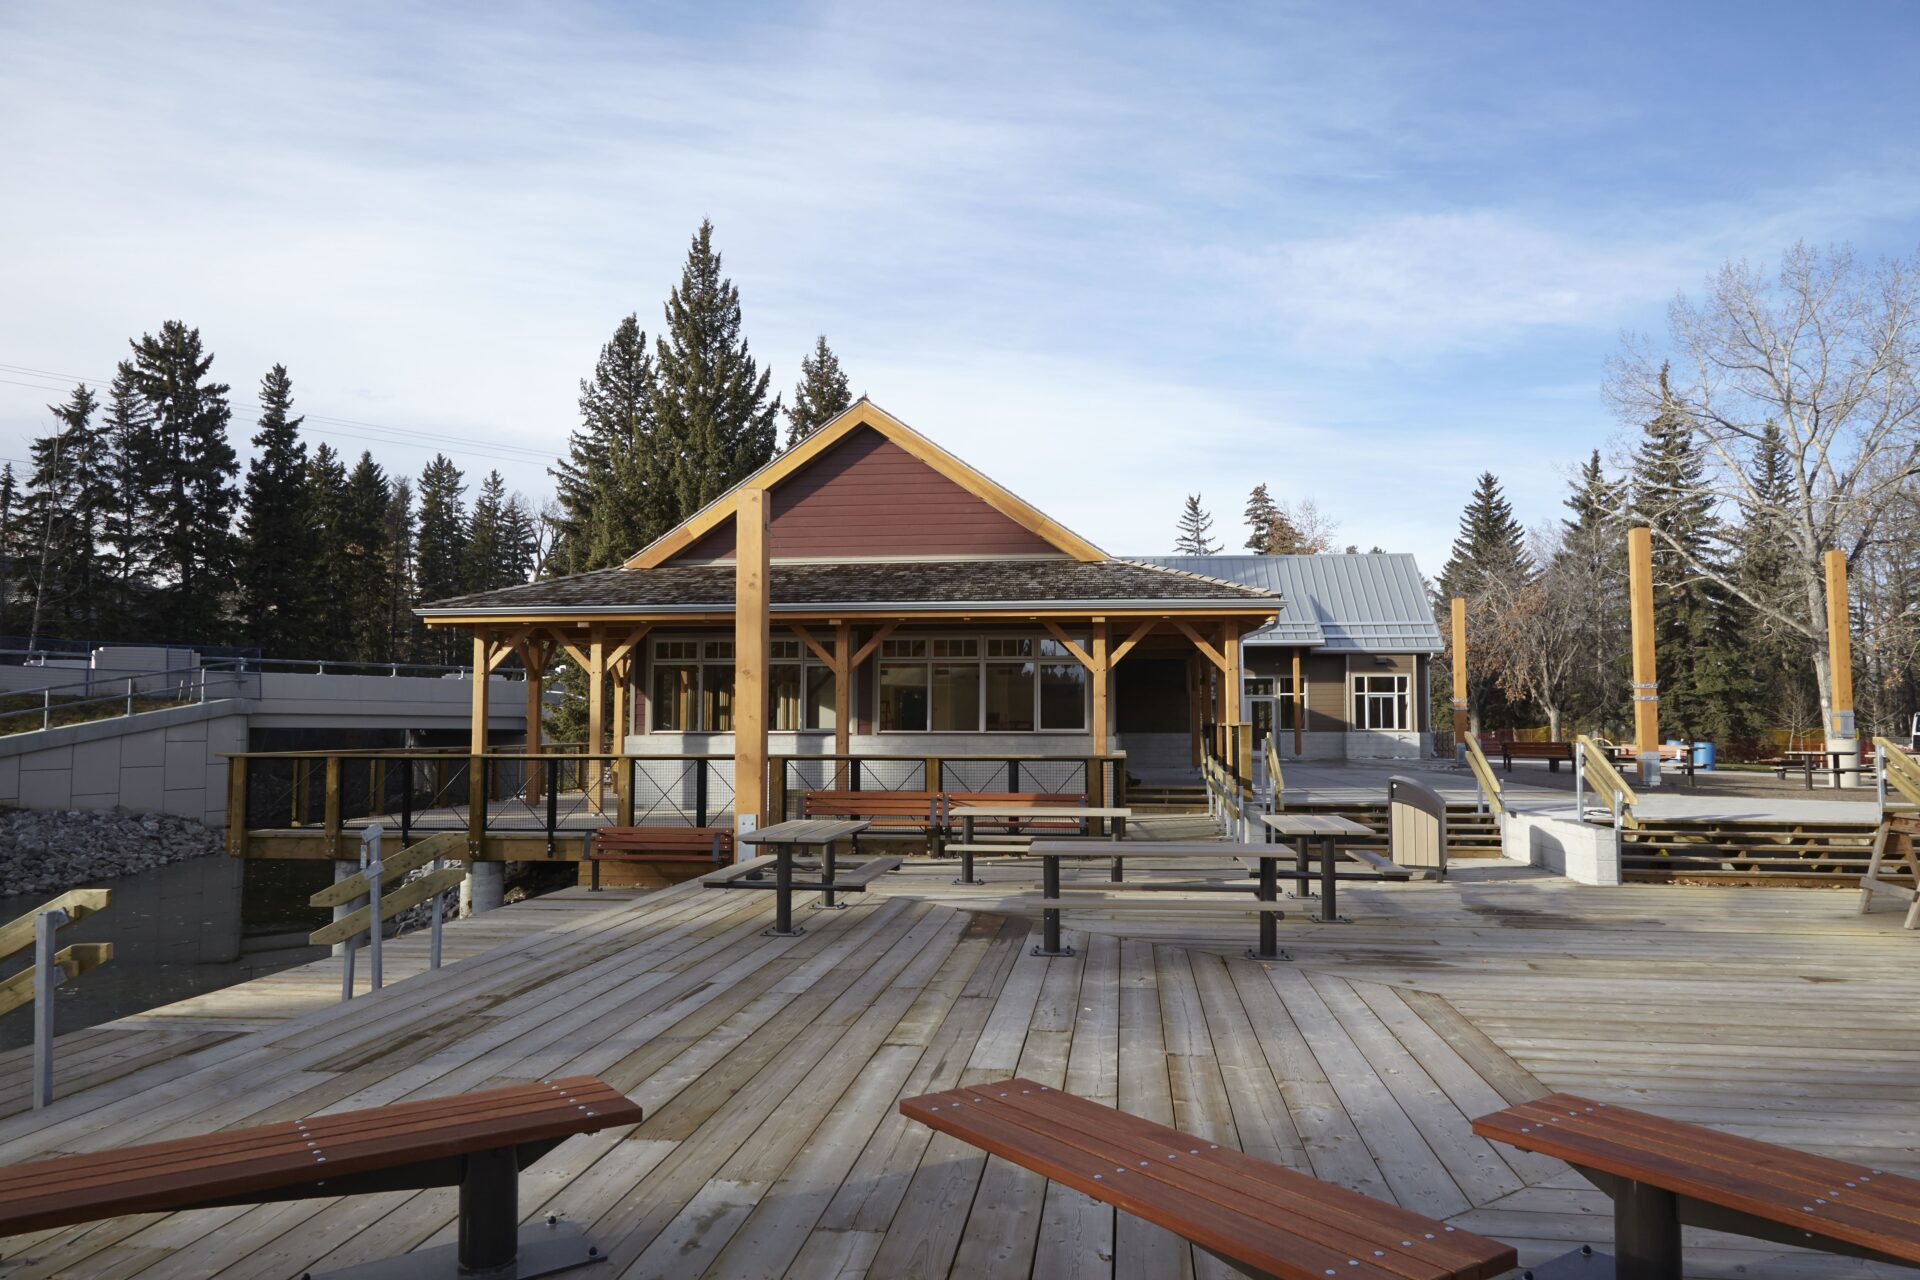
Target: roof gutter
[1249,605]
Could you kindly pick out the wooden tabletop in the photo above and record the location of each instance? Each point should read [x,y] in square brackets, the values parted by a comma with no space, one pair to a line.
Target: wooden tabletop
[807,831]
[1036,811]
[1315,824]
[1155,849]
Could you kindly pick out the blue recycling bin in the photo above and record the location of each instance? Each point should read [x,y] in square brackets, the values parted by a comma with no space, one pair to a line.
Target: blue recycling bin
[1703,755]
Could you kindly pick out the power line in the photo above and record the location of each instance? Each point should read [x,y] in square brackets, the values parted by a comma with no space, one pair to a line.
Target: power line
[348,428]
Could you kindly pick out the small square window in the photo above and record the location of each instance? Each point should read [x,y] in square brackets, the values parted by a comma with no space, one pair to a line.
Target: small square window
[718,649]
[786,650]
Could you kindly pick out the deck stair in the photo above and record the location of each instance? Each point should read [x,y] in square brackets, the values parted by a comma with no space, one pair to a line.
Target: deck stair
[1169,797]
[1768,850]
[1470,833]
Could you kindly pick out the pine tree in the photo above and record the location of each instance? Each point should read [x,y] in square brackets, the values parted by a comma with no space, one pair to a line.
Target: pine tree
[62,511]
[9,506]
[820,396]
[1262,514]
[1489,559]
[520,537]
[1689,639]
[366,559]
[1774,659]
[188,472]
[712,413]
[440,547]
[129,431]
[1593,554]
[1195,527]
[403,628]
[331,634]
[485,562]
[615,486]
[276,528]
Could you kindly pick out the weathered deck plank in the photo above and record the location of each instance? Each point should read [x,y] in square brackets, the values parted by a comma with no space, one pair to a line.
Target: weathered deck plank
[770,1067]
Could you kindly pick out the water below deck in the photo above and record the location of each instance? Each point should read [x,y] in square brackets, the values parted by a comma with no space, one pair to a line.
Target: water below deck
[770,1068]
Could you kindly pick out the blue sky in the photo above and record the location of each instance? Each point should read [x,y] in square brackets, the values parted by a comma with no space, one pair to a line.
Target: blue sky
[1112,254]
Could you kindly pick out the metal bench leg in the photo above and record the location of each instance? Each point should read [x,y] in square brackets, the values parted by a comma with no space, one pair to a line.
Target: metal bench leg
[1269,920]
[783,897]
[826,895]
[966,853]
[490,1210]
[1646,1233]
[1050,918]
[1329,908]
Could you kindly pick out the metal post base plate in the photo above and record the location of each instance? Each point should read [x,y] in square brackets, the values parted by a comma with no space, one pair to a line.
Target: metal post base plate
[794,932]
[1039,950]
[544,1249]
[1253,953]
[1584,1263]
[1318,919]
[969,881]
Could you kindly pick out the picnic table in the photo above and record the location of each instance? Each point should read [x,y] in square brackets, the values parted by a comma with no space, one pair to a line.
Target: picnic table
[1327,830]
[1809,761]
[1265,888]
[785,837]
[1081,813]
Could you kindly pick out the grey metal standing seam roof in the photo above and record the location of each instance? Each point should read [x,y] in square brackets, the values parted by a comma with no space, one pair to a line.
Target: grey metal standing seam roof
[1375,603]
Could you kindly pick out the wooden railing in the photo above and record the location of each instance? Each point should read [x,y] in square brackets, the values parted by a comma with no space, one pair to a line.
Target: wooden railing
[1483,774]
[1596,770]
[1897,770]
[547,800]
[34,985]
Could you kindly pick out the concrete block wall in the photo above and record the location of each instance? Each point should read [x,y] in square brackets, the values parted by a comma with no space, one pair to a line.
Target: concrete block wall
[1558,841]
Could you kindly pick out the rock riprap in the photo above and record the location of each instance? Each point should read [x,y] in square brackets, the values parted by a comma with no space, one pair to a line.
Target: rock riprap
[48,851]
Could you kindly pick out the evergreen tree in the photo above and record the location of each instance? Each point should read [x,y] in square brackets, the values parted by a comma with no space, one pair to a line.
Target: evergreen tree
[440,548]
[1593,555]
[9,504]
[402,627]
[820,396]
[485,567]
[366,559]
[521,538]
[1490,543]
[1195,527]
[712,413]
[1262,515]
[188,472]
[129,430]
[1487,565]
[276,565]
[65,503]
[1774,659]
[615,486]
[331,633]
[1688,611]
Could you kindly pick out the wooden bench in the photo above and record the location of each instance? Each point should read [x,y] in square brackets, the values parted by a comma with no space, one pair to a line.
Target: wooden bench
[1019,826]
[478,1142]
[658,844]
[1255,1216]
[892,812]
[1895,846]
[1552,752]
[1662,1174]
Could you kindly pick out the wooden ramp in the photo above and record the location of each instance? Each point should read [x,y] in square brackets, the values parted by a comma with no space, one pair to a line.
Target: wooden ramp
[769,1069]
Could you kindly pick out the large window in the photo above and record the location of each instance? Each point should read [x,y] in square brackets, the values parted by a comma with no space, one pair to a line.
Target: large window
[971,684]
[1380,702]
[693,687]
[1279,688]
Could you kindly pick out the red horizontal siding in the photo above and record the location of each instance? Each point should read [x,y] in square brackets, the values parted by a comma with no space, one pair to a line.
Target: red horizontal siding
[867,496]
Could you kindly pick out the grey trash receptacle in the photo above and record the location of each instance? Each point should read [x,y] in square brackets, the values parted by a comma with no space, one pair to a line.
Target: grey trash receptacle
[1416,825]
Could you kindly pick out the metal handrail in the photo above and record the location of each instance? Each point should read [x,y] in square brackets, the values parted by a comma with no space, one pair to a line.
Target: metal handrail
[1483,774]
[193,688]
[1592,768]
[1276,780]
[34,985]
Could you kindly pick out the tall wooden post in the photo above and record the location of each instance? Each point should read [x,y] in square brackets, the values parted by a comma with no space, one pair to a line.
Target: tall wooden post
[1230,678]
[842,699]
[1842,736]
[1646,680]
[752,639]
[1299,704]
[1101,670]
[481,652]
[1460,703]
[533,659]
[1196,703]
[595,771]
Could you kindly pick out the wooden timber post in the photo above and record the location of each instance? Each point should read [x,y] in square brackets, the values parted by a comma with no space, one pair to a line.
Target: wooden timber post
[752,641]
[1100,670]
[533,660]
[481,681]
[594,770]
[842,698]
[1460,704]
[1842,735]
[1646,680]
[1299,704]
[236,805]
[1196,704]
[477,744]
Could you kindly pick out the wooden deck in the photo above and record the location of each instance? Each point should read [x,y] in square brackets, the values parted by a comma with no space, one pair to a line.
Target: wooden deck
[769,1068]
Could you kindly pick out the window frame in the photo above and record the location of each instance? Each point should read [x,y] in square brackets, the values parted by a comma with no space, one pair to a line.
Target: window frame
[981,650]
[1398,699]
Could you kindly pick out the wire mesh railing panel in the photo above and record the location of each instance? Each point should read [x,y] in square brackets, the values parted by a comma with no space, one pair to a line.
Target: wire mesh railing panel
[892,773]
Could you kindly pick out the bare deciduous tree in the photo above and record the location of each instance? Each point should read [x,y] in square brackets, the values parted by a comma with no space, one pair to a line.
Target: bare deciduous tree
[1827,350]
